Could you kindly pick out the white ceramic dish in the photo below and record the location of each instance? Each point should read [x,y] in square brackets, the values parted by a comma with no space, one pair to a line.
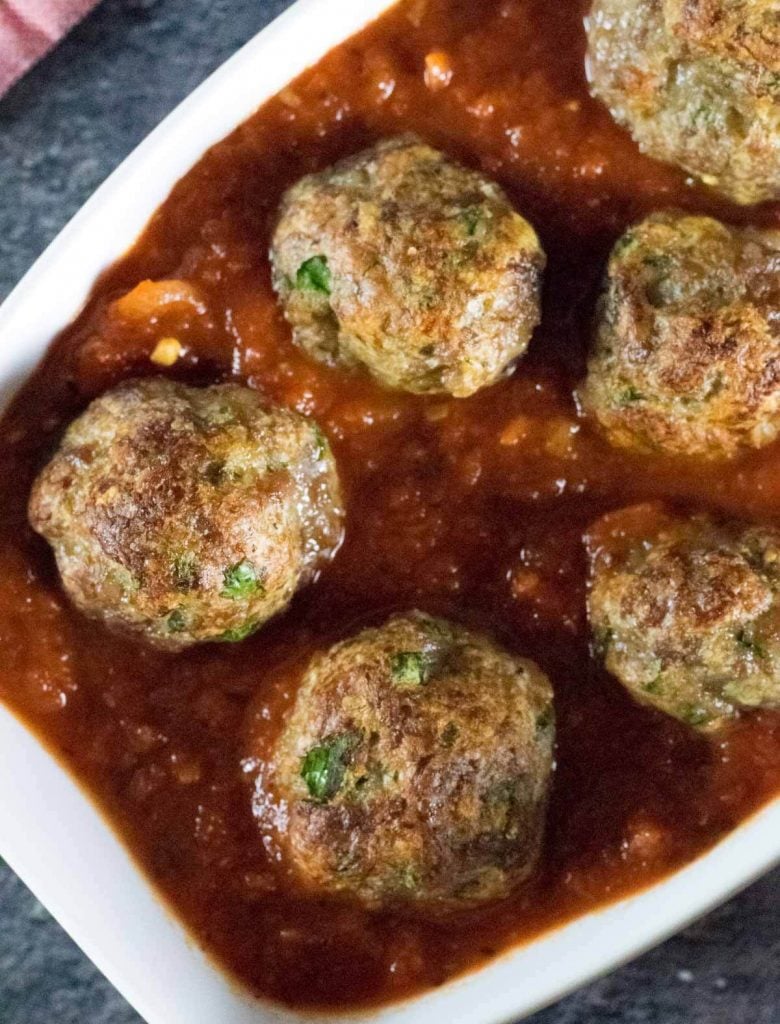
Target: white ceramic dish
[49,831]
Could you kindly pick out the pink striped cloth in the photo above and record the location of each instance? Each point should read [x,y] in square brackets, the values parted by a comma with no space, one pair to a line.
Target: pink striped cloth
[30,28]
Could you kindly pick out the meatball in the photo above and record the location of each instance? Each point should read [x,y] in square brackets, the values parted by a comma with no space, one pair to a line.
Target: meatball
[697,83]
[686,612]
[415,766]
[687,351]
[183,514]
[402,261]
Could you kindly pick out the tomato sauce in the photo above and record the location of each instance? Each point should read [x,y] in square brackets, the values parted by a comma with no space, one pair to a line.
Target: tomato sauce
[473,509]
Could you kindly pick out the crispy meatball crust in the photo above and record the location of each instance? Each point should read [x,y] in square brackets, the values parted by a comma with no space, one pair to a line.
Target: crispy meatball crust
[411,265]
[697,83]
[686,357]
[686,612]
[185,514]
[415,766]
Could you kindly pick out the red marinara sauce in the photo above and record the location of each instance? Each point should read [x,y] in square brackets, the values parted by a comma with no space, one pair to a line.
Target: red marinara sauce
[473,509]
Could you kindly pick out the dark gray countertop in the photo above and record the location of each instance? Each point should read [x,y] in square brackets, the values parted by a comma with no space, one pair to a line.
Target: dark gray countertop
[62,129]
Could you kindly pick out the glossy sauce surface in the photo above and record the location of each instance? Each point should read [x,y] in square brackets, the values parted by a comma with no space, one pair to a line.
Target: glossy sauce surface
[474,509]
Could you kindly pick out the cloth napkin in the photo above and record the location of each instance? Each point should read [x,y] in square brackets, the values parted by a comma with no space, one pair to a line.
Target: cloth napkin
[30,28]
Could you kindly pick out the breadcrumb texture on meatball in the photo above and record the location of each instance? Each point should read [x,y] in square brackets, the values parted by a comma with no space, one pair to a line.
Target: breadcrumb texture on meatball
[686,612]
[686,358]
[697,83]
[407,263]
[187,514]
[415,766]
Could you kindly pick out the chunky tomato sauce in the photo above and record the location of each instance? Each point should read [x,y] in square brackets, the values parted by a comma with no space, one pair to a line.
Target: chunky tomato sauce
[473,509]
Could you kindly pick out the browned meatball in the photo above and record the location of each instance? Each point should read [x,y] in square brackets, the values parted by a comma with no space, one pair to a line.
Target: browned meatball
[415,766]
[697,83]
[411,265]
[687,352]
[686,612]
[184,514]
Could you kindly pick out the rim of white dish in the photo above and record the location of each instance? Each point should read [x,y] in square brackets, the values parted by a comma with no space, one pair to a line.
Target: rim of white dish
[50,858]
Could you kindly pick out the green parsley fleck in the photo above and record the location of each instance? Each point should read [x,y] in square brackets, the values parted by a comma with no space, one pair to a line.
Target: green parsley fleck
[324,766]
[175,622]
[704,116]
[322,445]
[694,715]
[630,394]
[241,581]
[748,642]
[411,668]
[545,720]
[235,636]
[654,687]
[471,218]
[314,276]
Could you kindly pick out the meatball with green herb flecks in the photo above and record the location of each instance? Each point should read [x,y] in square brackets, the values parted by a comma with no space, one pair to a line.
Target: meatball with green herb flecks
[406,263]
[415,766]
[686,358]
[686,612]
[187,514]
[697,83]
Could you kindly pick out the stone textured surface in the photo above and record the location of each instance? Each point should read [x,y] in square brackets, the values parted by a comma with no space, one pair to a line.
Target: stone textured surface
[62,129]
